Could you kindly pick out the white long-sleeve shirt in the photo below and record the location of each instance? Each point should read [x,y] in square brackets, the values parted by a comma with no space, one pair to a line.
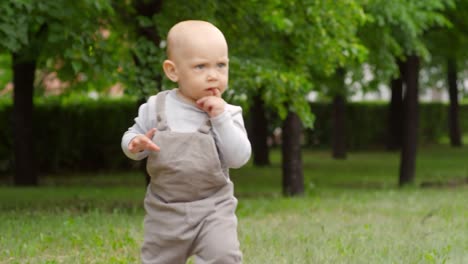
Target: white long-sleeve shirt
[228,128]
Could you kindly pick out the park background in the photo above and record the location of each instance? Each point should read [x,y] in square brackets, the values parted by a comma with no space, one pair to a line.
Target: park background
[356,109]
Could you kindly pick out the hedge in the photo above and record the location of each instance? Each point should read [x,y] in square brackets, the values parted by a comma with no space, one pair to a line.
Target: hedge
[76,134]
[367,127]
[82,134]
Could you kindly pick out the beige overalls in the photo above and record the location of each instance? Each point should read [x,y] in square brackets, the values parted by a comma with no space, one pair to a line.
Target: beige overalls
[190,206]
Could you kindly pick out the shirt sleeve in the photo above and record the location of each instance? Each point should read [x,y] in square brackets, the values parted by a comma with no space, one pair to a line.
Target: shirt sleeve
[231,136]
[143,123]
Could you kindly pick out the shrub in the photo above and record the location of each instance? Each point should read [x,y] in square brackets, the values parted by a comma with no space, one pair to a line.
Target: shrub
[79,133]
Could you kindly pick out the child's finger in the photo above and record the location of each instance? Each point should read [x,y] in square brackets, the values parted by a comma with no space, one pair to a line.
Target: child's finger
[153,147]
[202,100]
[137,144]
[217,93]
[204,104]
[207,106]
[150,133]
[148,142]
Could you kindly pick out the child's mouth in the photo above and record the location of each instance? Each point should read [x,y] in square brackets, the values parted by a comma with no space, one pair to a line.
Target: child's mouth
[211,90]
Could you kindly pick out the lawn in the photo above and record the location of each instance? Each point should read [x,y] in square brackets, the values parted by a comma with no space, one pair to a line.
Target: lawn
[352,212]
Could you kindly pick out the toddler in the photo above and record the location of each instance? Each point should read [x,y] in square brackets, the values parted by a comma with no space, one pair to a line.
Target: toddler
[191,137]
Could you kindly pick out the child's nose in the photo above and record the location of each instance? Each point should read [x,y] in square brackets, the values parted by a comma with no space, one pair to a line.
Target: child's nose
[212,74]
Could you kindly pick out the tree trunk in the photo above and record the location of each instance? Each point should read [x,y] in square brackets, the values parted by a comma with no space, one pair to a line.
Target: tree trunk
[410,132]
[142,162]
[147,9]
[454,124]
[395,111]
[23,80]
[339,127]
[293,179]
[259,132]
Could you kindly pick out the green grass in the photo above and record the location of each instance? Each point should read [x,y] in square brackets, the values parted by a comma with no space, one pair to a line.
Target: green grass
[353,212]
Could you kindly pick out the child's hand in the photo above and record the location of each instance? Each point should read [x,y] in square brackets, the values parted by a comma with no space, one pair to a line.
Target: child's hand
[143,142]
[212,104]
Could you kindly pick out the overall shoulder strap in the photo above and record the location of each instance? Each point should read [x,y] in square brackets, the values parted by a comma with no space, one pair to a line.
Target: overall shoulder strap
[161,120]
[205,128]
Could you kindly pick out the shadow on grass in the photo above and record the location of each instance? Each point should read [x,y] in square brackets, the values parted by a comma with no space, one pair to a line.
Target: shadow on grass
[452,183]
[449,183]
[76,206]
[258,195]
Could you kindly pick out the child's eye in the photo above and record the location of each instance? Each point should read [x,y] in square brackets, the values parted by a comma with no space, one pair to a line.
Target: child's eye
[199,66]
[221,65]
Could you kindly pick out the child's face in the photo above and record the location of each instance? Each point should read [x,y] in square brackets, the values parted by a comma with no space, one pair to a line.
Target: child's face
[202,65]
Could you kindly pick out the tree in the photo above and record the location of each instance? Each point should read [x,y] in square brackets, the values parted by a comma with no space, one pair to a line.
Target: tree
[283,66]
[395,110]
[32,32]
[454,120]
[259,132]
[293,177]
[410,121]
[300,40]
[402,25]
[141,75]
[344,51]
[448,48]
[339,117]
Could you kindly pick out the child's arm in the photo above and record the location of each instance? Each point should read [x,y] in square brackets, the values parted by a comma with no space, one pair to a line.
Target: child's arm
[137,140]
[228,127]
[232,140]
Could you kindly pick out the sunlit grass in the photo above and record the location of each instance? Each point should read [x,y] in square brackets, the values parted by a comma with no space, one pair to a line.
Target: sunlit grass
[353,212]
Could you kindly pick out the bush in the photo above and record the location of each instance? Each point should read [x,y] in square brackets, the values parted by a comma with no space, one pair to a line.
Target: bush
[83,134]
[366,124]
[71,134]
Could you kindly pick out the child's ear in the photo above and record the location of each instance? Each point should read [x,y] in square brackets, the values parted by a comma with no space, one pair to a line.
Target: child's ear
[170,70]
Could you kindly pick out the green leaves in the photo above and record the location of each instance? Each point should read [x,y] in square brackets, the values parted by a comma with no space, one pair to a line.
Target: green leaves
[67,32]
[145,21]
[13,28]
[281,49]
[5,70]
[282,90]
[284,45]
[393,30]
